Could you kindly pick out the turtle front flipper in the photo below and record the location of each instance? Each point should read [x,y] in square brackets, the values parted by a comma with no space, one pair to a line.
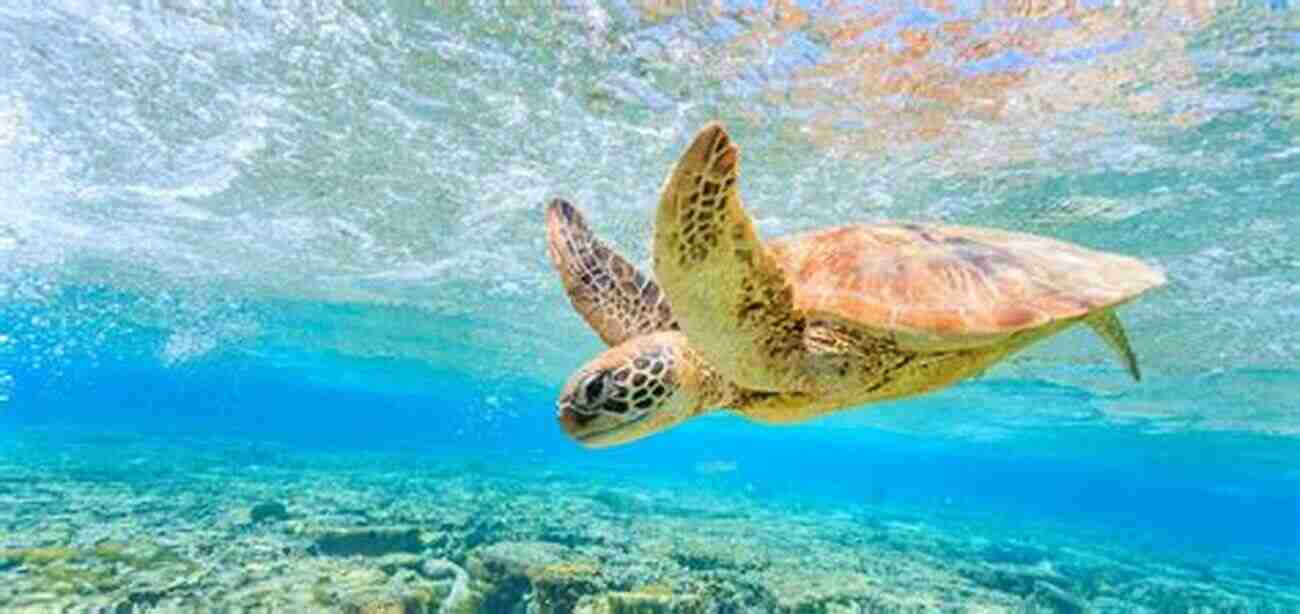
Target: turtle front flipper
[617,301]
[729,294]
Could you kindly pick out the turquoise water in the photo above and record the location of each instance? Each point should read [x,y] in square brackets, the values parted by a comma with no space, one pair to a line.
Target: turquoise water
[293,253]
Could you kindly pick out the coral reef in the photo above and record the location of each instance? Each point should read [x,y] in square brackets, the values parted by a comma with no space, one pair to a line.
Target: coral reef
[207,524]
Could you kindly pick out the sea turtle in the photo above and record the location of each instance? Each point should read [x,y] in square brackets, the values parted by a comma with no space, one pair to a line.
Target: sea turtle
[791,329]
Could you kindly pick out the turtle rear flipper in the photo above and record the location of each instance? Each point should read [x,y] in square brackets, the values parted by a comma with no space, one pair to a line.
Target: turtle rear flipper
[1107,326]
[617,301]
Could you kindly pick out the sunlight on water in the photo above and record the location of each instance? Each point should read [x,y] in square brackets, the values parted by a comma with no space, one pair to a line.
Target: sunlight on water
[251,158]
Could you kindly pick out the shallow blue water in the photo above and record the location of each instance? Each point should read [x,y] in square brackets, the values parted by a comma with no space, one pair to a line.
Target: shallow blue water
[324,227]
[1174,490]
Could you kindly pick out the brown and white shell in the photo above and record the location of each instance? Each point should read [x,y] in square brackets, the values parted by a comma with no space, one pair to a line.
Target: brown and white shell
[941,286]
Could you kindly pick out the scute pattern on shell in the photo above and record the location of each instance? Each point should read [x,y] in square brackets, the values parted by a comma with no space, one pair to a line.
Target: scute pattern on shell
[943,282]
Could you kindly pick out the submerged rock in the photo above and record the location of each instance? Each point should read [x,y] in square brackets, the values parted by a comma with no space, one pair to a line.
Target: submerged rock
[733,591]
[557,588]
[12,557]
[507,559]
[542,578]
[268,511]
[1015,553]
[396,561]
[641,603]
[368,592]
[368,541]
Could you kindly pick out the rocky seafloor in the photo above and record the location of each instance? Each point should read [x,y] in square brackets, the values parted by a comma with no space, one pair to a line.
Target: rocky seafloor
[120,523]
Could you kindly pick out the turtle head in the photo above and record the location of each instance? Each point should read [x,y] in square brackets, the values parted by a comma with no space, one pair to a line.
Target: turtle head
[640,387]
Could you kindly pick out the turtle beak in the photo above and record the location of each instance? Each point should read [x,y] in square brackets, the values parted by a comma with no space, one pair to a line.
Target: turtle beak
[588,428]
[569,419]
[572,416]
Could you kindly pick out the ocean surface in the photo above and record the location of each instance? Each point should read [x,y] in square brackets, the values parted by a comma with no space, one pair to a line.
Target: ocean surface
[278,331]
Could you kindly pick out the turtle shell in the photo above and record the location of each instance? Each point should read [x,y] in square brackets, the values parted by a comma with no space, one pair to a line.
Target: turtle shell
[940,286]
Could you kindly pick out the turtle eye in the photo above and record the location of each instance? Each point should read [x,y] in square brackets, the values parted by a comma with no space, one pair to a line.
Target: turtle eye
[593,388]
